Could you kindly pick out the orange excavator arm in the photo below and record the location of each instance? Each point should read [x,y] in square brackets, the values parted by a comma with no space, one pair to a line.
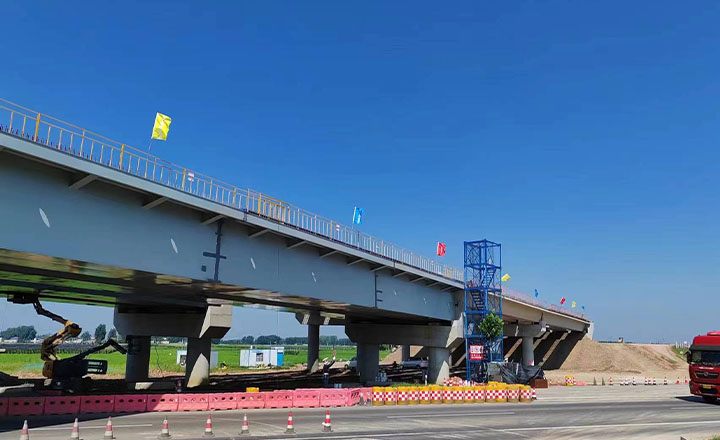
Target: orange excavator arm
[70,330]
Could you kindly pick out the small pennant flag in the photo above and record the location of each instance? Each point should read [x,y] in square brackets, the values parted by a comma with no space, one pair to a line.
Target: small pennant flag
[358,216]
[583,308]
[505,278]
[562,300]
[537,293]
[441,249]
[161,127]
[572,305]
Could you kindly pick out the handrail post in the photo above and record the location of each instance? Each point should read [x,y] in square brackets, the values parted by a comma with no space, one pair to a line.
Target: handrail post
[37,127]
[183,182]
[122,151]
[82,142]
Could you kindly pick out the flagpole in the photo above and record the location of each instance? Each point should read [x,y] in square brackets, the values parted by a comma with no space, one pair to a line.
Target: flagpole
[150,145]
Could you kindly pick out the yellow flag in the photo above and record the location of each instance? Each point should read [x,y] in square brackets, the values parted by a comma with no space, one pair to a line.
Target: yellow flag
[505,278]
[161,127]
[573,304]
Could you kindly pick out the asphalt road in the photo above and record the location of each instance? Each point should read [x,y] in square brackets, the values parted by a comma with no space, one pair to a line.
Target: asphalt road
[580,413]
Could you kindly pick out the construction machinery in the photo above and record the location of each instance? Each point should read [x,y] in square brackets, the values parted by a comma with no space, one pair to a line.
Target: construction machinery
[69,373]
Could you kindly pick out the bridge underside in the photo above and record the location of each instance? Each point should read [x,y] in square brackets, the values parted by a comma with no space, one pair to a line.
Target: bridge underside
[63,280]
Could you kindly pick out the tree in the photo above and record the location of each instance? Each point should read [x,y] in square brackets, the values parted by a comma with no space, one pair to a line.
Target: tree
[268,340]
[491,326]
[24,333]
[85,336]
[247,340]
[112,334]
[100,333]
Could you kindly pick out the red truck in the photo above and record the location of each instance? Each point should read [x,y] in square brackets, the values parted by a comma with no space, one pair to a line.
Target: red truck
[704,360]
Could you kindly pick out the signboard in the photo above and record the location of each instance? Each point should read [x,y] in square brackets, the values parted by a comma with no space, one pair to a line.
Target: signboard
[477,353]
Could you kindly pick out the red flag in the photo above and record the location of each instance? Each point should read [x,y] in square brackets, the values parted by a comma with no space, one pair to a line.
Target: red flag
[441,249]
[562,300]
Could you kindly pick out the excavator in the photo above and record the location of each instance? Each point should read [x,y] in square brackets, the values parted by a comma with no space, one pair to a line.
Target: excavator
[66,374]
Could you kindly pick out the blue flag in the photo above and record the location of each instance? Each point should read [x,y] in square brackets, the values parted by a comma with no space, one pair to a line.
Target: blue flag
[583,308]
[357,216]
[536,293]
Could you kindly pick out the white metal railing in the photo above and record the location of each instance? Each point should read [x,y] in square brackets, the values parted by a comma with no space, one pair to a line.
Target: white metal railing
[71,139]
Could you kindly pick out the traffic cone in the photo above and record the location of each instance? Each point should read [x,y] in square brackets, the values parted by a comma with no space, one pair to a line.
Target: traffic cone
[678,381]
[633,382]
[647,381]
[25,434]
[208,428]
[75,433]
[108,430]
[654,381]
[665,380]
[245,427]
[534,395]
[327,426]
[610,381]
[165,431]
[686,380]
[290,428]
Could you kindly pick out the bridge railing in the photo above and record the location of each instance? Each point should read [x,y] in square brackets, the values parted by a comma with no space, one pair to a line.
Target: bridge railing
[71,139]
[514,294]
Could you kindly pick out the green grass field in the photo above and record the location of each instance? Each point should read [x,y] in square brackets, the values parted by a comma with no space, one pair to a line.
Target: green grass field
[163,357]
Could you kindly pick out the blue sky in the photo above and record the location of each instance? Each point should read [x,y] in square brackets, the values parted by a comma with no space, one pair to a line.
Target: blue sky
[583,136]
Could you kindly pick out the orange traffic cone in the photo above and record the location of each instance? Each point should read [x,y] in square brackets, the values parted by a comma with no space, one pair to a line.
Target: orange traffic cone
[25,434]
[208,428]
[75,434]
[327,425]
[245,427]
[665,380]
[108,430]
[610,381]
[165,431]
[290,428]
[678,381]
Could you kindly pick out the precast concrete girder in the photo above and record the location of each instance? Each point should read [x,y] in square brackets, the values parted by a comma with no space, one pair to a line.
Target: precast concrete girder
[317,319]
[83,181]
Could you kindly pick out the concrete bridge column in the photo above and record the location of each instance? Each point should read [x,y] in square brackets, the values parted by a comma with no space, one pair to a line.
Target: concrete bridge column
[438,364]
[405,355]
[197,366]
[199,325]
[527,333]
[137,364]
[313,355]
[368,362]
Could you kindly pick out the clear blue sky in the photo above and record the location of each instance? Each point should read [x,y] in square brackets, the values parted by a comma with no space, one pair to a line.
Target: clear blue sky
[581,135]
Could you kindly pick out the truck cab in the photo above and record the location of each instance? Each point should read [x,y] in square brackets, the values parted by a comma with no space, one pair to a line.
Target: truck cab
[704,361]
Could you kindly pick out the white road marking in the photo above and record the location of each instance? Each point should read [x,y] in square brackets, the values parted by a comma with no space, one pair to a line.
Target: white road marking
[69,426]
[451,415]
[616,425]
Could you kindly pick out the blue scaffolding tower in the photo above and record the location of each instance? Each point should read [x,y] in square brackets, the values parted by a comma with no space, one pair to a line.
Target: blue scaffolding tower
[483,295]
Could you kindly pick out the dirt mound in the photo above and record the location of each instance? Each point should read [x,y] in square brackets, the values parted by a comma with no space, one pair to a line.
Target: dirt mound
[590,355]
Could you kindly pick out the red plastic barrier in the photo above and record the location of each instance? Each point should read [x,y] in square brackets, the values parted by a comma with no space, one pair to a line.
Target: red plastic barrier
[62,405]
[130,403]
[97,404]
[222,401]
[163,402]
[353,397]
[193,402]
[26,406]
[3,407]
[279,399]
[250,400]
[333,397]
[306,398]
